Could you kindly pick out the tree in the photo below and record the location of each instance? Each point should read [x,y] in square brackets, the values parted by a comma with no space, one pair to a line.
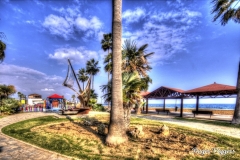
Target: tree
[92,69]
[82,76]
[132,86]
[2,51]
[116,129]
[236,114]
[6,91]
[226,10]
[135,59]
[106,46]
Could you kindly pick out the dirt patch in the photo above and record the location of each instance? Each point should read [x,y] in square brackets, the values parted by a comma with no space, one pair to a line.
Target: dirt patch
[152,145]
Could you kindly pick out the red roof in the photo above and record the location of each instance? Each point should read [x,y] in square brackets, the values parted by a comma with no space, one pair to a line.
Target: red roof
[144,93]
[55,96]
[212,87]
[175,89]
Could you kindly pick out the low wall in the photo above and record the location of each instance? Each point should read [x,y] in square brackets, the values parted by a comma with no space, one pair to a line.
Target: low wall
[215,111]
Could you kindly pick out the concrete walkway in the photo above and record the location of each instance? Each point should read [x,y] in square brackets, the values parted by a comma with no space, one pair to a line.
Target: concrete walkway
[13,149]
[228,131]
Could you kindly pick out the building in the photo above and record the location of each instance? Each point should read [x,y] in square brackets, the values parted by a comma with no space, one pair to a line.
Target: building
[34,99]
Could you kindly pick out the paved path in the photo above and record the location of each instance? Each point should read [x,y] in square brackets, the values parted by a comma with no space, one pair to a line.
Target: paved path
[12,149]
[228,131]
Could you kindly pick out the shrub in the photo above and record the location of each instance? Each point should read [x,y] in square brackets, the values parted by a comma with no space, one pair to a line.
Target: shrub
[9,106]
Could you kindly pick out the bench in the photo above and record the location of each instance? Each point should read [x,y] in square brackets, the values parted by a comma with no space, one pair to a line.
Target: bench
[203,112]
[162,110]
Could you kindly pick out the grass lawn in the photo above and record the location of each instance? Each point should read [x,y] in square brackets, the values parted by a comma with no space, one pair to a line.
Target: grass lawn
[74,139]
[209,121]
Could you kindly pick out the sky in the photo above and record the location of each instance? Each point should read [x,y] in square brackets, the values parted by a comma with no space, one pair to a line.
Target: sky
[190,50]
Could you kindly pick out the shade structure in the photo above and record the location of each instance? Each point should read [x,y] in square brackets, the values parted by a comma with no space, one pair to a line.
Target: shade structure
[144,93]
[214,90]
[164,92]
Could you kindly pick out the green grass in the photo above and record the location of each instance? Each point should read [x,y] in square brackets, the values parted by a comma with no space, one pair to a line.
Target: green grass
[212,122]
[72,146]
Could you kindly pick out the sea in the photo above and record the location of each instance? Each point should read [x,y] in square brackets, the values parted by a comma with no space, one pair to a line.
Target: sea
[190,106]
[204,106]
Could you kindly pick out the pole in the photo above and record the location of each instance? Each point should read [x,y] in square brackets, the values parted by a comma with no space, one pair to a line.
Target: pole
[74,74]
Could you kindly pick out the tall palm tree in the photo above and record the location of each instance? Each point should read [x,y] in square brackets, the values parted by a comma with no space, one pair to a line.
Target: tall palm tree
[116,129]
[107,46]
[2,51]
[136,59]
[92,69]
[226,10]
[19,95]
[82,76]
[236,114]
[132,86]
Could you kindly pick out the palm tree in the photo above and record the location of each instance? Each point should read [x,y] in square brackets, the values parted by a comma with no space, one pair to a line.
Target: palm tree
[135,59]
[73,98]
[116,129]
[236,115]
[132,86]
[92,69]
[82,76]
[106,46]
[226,10]
[2,49]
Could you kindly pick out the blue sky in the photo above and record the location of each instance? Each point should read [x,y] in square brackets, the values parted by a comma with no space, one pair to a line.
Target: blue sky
[190,49]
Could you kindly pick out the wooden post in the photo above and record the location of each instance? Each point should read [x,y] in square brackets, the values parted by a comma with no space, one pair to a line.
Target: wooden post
[164,104]
[147,107]
[197,103]
[143,105]
[181,111]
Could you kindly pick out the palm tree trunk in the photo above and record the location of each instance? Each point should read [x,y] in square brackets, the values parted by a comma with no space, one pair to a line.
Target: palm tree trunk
[116,129]
[92,81]
[236,115]
[127,115]
[83,85]
[108,77]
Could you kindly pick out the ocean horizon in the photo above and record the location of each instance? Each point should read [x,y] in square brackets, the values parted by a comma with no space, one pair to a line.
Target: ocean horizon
[205,106]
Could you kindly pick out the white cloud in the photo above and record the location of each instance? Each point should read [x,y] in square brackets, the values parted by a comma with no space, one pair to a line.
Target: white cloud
[58,26]
[183,16]
[77,55]
[19,71]
[133,15]
[30,22]
[27,80]
[39,3]
[71,21]
[165,32]
[47,89]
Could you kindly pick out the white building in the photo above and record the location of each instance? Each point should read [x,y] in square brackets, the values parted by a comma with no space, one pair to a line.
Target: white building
[35,99]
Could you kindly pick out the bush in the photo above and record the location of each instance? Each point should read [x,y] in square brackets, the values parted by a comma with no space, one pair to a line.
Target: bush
[98,107]
[9,106]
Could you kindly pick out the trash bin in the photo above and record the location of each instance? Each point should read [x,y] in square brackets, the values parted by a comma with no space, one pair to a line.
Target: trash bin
[176,108]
